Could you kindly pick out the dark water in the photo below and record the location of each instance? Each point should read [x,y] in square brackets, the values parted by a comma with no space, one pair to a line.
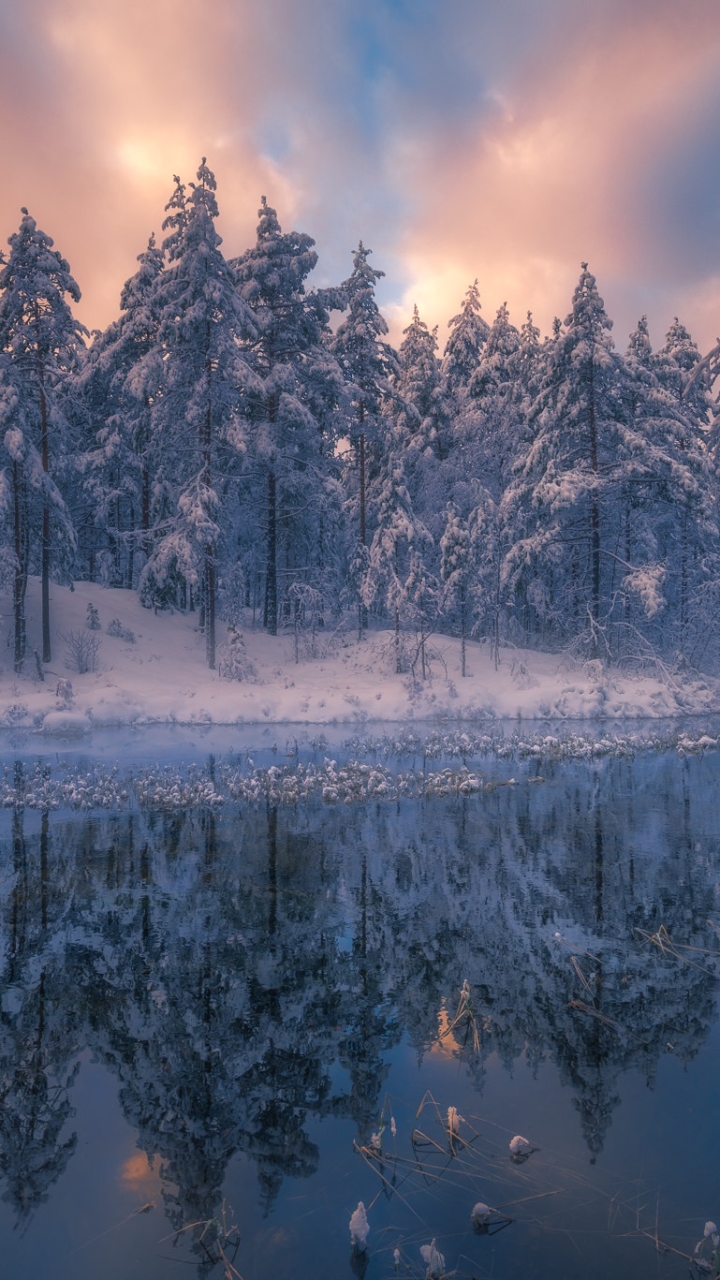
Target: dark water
[207,1015]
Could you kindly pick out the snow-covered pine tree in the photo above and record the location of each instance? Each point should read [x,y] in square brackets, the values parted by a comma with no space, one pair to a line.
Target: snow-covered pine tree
[397,576]
[422,420]
[469,333]
[121,382]
[422,426]
[292,413]
[368,363]
[671,401]
[562,504]
[456,571]
[493,412]
[198,415]
[41,342]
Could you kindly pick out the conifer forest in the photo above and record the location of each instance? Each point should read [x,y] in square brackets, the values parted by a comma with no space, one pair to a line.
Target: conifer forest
[244,445]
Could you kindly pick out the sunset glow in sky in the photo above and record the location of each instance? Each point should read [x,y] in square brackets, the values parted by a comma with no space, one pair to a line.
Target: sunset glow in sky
[507,140]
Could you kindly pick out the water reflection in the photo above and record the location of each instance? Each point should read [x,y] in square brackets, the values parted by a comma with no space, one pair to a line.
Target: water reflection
[244,974]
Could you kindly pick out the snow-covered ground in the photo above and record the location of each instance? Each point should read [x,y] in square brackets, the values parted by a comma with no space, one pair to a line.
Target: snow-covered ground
[161,677]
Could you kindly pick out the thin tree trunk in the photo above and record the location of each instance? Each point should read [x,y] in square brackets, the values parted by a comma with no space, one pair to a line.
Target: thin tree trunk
[462,629]
[271,575]
[210,605]
[20,577]
[362,607]
[270,613]
[209,550]
[594,513]
[45,555]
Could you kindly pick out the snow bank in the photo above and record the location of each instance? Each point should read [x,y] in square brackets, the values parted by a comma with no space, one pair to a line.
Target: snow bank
[159,677]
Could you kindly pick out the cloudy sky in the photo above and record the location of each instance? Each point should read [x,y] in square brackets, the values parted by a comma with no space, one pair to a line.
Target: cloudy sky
[507,140]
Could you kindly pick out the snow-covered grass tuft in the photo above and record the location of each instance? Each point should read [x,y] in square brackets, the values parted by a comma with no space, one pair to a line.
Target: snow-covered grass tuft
[359,1229]
[434,1261]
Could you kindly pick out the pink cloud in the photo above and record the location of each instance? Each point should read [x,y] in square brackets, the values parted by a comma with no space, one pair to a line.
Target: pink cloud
[556,176]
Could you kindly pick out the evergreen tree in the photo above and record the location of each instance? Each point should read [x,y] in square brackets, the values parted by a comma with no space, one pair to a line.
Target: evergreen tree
[396,576]
[368,364]
[292,410]
[41,343]
[201,323]
[121,382]
[675,500]
[421,421]
[562,503]
[456,570]
[495,426]
[469,333]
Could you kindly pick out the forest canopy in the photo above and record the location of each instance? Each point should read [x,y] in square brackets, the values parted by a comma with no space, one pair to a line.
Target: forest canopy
[245,445]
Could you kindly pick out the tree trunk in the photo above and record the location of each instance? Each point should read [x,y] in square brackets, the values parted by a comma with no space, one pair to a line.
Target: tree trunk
[271,575]
[20,576]
[208,575]
[45,554]
[362,607]
[594,513]
[210,606]
[462,629]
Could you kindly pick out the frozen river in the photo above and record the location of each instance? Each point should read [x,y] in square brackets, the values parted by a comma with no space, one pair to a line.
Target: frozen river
[224,1024]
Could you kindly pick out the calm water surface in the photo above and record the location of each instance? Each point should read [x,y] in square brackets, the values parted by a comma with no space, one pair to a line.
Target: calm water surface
[207,1015]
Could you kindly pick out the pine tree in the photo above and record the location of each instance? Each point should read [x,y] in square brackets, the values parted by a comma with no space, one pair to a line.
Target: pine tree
[121,382]
[456,570]
[396,576]
[496,425]
[675,502]
[201,323]
[42,343]
[562,502]
[469,333]
[368,364]
[422,420]
[292,410]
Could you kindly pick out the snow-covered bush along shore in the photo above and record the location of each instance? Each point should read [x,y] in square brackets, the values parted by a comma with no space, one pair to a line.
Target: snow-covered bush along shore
[39,786]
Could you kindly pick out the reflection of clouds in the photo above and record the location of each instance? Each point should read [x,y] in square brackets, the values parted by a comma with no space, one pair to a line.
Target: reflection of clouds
[504,142]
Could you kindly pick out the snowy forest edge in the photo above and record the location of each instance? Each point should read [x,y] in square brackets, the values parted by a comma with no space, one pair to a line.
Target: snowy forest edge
[226,456]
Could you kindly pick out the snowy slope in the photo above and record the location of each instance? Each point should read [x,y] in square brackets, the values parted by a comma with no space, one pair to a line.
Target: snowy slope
[161,677]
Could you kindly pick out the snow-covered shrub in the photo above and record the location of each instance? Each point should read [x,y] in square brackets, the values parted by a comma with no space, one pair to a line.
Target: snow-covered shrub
[116,628]
[233,661]
[92,620]
[64,693]
[83,648]
[396,653]
[16,713]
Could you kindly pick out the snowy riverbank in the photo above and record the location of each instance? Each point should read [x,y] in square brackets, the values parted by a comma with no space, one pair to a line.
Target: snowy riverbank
[160,677]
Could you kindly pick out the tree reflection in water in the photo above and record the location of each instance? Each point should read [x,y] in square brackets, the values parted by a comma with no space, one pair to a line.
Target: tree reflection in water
[246,974]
